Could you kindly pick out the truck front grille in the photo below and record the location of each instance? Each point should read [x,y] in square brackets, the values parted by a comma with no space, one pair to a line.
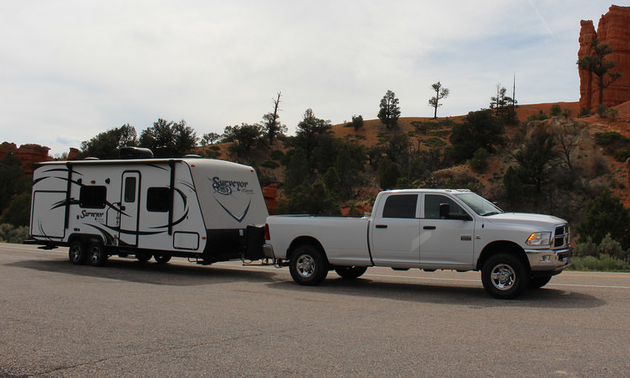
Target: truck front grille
[561,236]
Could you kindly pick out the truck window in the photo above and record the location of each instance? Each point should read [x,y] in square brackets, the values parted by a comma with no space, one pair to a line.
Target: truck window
[93,197]
[159,199]
[432,206]
[130,189]
[400,206]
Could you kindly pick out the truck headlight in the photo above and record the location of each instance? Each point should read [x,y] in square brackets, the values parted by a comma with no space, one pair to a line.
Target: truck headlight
[539,239]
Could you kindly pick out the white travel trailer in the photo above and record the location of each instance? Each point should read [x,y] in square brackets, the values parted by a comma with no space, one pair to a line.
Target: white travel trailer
[204,209]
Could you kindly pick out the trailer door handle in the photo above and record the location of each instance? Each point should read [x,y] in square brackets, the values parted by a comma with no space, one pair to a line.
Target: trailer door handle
[429,227]
[381,226]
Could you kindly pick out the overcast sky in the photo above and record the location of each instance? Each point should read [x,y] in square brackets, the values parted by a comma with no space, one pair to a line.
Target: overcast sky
[74,68]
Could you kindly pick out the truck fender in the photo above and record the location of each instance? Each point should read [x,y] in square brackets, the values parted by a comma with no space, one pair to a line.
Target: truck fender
[302,240]
[502,246]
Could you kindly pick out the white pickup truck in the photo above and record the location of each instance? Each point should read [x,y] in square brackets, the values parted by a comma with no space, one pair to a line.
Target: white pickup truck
[428,229]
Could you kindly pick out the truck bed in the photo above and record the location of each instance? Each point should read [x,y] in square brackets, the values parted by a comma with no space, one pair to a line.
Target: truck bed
[345,239]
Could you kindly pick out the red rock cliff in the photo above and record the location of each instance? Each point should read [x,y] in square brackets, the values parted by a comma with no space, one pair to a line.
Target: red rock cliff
[613,29]
[27,153]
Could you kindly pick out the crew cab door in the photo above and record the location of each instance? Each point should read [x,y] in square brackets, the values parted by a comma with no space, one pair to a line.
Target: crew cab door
[447,241]
[395,231]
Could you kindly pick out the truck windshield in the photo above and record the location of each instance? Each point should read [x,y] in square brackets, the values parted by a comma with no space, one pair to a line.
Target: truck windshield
[479,204]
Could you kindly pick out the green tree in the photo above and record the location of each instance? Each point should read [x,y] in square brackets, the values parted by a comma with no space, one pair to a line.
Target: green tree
[598,65]
[604,215]
[11,183]
[19,211]
[243,137]
[209,138]
[389,110]
[106,145]
[440,93]
[504,106]
[535,159]
[310,132]
[297,172]
[169,139]
[479,130]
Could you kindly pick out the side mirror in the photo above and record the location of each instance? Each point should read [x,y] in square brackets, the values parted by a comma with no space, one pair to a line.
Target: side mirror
[445,213]
[445,210]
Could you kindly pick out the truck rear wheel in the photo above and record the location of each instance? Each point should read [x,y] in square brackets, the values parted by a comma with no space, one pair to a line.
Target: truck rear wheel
[143,257]
[350,272]
[504,276]
[162,259]
[77,253]
[96,254]
[308,265]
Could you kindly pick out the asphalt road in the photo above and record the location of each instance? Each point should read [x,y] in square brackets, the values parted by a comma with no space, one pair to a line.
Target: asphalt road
[181,319]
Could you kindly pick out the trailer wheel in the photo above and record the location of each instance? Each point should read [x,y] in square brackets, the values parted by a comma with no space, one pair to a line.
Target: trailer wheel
[162,259]
[308,266]
[96,254]
[350,272]
[77,253]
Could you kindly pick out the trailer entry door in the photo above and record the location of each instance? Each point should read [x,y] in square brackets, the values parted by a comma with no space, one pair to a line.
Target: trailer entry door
[129,208]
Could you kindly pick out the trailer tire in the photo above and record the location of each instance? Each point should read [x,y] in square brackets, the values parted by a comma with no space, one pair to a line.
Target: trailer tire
[77,253]
[350,272]
[308,266]
[505,276]
[162,259]
[96,254]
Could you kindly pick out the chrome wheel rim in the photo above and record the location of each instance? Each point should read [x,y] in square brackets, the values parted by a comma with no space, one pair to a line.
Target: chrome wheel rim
[75,252]
[503,277]
[305,266]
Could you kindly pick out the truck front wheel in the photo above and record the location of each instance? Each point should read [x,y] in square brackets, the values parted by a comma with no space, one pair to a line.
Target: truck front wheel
[350,272]
[504,276]
[308,266]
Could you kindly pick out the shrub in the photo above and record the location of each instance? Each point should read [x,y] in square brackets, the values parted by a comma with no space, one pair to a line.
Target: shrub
[479,161]
[270,164]
[12,234]
[604,263]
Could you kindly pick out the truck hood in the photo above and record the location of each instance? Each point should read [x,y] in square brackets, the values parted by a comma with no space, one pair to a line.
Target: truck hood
[534,220]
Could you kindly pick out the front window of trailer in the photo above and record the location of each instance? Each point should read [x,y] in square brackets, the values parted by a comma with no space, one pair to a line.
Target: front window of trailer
[478,204]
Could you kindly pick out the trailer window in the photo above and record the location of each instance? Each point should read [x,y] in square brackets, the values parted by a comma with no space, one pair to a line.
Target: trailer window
[93,197]
[400,206]
[159,199]
[130,189]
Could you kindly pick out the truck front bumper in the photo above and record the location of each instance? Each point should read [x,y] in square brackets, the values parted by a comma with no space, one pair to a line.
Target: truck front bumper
[548,260]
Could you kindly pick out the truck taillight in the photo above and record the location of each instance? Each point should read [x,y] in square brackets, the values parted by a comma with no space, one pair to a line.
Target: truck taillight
[267,235]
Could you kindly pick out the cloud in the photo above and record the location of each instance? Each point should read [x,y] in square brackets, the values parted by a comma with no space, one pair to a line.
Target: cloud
[77,68]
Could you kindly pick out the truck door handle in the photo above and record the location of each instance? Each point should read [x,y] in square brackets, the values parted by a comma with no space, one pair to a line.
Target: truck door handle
[429,227]
[381,226]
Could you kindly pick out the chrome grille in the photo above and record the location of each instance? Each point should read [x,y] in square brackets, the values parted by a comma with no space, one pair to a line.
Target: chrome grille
[561,236]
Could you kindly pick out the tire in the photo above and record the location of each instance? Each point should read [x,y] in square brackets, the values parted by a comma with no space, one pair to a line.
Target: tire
[96,254]
[308,266]
[538,282]
[350,272]
[162,259]
[77,253]
[505,276]
[143,257]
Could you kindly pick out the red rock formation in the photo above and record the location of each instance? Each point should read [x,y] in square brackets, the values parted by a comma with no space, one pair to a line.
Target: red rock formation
[28,154]
[613,29]
[270,192]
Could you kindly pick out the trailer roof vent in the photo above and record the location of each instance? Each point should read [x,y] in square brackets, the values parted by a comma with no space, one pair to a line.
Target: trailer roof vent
[135,153]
